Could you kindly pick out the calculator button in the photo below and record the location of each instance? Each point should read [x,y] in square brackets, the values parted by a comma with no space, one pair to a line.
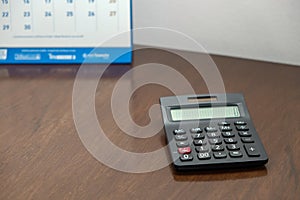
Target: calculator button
[184,150]
[181,137]
[199,142]
[224,123]
[251,150]
[235,154]
[182,144]
[198,136]
[240,123]
[228,134]
[217,148]
[230,141]
[225,128]
[215,141]
[220,155]
[196,130]
[179,132]
[242,128]
[233,147]
[213,135]
[204,156]
[247,140]
[211,129]
[201,149]
[244,134]
[186,157]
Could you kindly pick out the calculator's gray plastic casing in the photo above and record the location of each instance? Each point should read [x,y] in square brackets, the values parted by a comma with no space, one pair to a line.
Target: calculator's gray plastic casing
[218,99]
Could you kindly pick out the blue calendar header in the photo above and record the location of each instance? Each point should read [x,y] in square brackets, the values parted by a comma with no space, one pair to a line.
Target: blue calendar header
[65,31]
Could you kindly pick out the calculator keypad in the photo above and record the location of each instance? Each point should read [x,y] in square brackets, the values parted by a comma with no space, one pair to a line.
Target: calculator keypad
[225,140]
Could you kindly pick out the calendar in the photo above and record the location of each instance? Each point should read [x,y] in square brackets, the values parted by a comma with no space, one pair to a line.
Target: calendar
[65,31]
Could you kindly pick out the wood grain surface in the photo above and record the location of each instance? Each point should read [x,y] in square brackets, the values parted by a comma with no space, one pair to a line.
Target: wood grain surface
[42,156]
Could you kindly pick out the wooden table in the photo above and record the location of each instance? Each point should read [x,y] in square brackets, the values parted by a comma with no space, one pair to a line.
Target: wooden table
[42,156]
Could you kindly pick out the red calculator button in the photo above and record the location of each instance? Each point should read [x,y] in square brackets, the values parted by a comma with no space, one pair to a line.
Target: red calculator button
[185,150]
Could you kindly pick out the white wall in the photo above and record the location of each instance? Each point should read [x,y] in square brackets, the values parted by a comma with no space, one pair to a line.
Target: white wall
[266,30]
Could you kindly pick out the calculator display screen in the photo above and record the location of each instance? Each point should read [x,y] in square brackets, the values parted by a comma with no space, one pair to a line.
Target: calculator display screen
[182,114]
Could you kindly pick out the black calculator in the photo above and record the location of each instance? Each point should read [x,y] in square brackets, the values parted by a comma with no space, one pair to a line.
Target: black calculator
[211,132]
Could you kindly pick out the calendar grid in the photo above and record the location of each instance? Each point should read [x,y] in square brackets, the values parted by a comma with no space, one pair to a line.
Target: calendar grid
[118,11]
[48,13]
[75,10]
[97,11]
[63,30]
[31,20]
[53,12]
[5,15]
[10,16]
[10,20]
